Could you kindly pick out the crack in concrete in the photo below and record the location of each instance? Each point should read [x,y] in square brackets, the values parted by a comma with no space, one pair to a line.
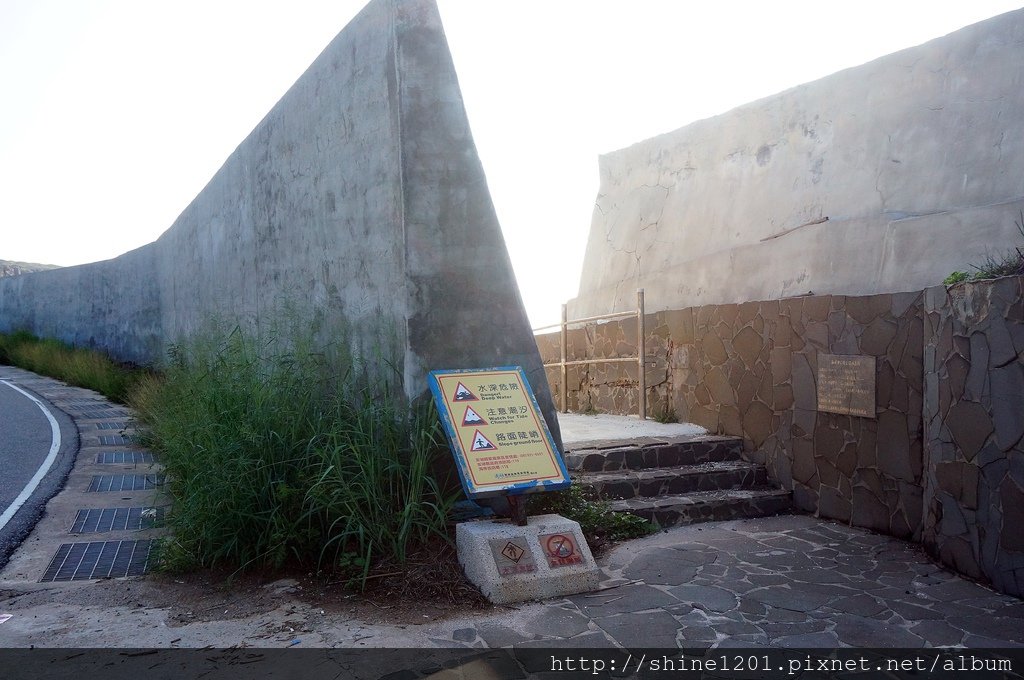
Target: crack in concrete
[820,220]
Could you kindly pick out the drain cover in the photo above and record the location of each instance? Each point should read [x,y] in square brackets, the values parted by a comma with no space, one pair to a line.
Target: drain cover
[99,559]
[93,415]
[114,439]
[112,425]
[104,457]
[102,483]
[96,521]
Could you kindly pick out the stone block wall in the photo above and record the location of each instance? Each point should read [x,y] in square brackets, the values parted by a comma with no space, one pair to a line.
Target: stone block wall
[942,461]
[974,429]
[750,369]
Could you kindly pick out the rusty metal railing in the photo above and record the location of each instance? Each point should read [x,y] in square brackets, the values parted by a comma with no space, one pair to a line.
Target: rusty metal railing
[639,359]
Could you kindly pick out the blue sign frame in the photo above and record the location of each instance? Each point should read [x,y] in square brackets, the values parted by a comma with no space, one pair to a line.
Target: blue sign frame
[455,444]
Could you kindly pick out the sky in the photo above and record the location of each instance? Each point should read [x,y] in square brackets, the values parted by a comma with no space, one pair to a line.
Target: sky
[114,114]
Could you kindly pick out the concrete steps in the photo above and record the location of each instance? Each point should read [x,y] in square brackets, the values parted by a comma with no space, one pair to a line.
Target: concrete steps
[668,481]
[677,481]
[646,453]
[707,506]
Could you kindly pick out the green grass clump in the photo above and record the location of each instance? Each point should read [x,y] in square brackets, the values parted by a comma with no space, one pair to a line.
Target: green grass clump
[1010,263]
[666,415]
[956,277]
[273,460]
[75,366]
[374,493]
[597,520]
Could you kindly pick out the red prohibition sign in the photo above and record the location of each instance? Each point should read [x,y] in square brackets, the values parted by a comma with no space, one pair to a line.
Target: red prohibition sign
[560,546]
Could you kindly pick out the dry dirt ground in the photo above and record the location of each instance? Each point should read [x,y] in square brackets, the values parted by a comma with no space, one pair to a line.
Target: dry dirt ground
[417,606]
[429,588]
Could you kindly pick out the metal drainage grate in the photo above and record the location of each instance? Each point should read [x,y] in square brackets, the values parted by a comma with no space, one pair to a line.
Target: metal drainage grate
[102,483]
[99,559]
[112,425]
[115,440]
[93,415]
[97,521]
[106,457]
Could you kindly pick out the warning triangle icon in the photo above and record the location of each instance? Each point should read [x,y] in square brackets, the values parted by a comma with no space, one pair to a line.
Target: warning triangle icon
[482,443]
[462,393]
[472,417]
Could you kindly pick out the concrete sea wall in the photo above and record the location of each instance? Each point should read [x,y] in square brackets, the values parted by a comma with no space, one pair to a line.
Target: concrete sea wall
[877,179]
[360,195]
[940,458]
[804,231]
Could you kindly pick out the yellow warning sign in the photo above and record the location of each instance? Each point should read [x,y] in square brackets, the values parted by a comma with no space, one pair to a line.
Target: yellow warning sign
[500,440]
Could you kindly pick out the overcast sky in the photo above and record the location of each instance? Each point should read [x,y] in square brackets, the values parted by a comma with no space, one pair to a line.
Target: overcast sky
[115,113]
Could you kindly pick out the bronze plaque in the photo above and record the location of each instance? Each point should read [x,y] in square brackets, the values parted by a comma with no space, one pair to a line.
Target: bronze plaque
[846,384]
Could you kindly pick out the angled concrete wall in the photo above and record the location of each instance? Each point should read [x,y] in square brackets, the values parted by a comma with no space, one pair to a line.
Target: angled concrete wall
[360,195]
[878,179]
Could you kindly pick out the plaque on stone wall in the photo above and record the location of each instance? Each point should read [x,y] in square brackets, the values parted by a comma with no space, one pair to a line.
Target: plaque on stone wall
[846,384]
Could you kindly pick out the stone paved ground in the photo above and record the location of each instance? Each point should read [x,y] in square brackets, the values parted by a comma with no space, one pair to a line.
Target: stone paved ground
[789,581]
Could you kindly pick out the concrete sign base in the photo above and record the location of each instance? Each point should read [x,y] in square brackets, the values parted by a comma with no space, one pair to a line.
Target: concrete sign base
[546,558]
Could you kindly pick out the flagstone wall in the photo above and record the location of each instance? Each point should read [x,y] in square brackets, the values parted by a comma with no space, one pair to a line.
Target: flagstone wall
[752,370]
[974,429]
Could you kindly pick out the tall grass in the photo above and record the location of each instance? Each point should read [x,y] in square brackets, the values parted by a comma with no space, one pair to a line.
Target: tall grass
[1009,263]
[75,366]
[273,458]
[375,494]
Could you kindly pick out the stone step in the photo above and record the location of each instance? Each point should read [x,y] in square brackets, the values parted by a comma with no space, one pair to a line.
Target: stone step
[620,484]
[648,454]
[707,506]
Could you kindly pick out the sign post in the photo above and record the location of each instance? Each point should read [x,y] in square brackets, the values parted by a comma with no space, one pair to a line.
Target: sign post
[502,446]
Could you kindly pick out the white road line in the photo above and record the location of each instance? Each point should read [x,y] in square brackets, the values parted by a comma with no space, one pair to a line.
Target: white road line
[43,469]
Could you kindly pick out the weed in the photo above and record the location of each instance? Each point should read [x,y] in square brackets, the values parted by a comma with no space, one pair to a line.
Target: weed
[75,366]
[273,458]
[1010,263]
[956,277]
[373,494]
[597,520]
[667,414]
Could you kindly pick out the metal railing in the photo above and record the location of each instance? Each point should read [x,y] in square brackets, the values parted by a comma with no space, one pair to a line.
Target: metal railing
[639,359]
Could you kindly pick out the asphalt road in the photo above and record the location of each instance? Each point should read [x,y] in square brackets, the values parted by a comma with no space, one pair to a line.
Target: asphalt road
[36,454]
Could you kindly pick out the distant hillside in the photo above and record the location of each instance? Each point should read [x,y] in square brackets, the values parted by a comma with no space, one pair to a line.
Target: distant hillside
[9,268]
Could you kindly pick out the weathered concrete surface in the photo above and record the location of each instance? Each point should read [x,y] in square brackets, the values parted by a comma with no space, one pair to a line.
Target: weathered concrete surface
[360,196]
[481,544]
[877,179]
